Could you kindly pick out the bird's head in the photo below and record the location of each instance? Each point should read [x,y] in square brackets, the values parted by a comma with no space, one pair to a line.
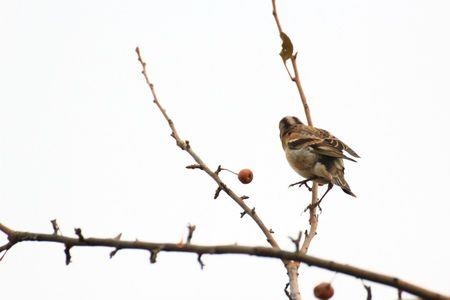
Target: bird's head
[287,123]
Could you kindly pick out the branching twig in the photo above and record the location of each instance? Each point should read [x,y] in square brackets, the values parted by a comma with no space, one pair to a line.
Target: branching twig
[288,54]
[296,241]
[184,145]
[15,237]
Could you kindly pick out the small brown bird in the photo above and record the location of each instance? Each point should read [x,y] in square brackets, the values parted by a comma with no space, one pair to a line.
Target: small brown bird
[315,154]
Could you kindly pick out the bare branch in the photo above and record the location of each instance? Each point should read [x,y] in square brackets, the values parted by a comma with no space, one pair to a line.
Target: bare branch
[313,222]
[296,77]
[313,219]
[154,248]
[184,145]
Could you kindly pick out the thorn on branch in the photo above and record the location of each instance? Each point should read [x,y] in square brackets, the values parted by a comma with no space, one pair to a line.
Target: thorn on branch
[192,167]
[117,238]
[114,252]
[55,227]
[218,190]
[199,259]
[244,212]
[219,168]
[244,197]
[368,290]
[271,231]
[67,253]
[399,292]
[79,234]
[191,229]
[153,254]
[297,241]
[287,292]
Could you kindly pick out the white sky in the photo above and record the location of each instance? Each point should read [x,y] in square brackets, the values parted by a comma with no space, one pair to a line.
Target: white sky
[81,141]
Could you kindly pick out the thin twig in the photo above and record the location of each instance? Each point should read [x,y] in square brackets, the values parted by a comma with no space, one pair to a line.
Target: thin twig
[184,145]
[154,248]
[296,77]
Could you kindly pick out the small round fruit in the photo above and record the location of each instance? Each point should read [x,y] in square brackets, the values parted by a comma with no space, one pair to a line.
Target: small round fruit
[245,176]
[324,291]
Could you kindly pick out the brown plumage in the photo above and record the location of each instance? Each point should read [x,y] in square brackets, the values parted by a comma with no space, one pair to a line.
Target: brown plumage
[315,154]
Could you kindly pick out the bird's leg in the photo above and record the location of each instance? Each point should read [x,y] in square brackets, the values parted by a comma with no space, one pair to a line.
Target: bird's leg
[303,182]
[317,204]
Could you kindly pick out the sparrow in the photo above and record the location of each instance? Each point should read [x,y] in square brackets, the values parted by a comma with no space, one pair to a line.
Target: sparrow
[315,154]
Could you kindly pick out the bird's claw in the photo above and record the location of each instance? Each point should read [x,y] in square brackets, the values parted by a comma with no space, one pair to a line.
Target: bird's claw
[301,183]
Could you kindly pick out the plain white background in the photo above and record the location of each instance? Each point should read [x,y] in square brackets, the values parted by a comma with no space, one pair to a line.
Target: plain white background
[81,141]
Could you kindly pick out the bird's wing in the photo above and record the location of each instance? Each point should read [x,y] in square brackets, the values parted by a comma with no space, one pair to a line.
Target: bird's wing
[321,141]
[334,142]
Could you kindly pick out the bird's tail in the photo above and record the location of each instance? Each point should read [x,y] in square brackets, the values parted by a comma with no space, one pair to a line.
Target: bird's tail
[340,181]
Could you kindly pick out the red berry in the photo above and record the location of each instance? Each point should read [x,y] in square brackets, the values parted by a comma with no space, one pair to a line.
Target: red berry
[245,176]
[324,291]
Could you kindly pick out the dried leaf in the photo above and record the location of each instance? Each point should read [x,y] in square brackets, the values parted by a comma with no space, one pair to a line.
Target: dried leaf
[287,47]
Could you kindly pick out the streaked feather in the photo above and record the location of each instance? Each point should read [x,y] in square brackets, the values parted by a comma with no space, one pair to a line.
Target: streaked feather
[314,152]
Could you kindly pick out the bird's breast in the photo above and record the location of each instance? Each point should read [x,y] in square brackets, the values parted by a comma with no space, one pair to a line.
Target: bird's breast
[302,160]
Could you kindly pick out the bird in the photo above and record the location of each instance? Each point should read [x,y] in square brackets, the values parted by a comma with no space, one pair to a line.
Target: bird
[315,154]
